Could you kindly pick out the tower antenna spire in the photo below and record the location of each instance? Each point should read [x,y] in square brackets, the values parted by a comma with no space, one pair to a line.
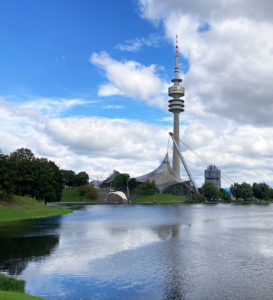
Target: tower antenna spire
[176,69]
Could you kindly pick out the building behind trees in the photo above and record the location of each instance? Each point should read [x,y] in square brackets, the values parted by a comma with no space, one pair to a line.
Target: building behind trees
[212,173]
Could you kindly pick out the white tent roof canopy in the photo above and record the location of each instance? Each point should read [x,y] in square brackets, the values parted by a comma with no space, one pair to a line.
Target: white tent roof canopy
[163,176]
[120,194]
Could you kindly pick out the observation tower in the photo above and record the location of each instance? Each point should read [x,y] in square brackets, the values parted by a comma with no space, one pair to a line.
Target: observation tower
[176,106]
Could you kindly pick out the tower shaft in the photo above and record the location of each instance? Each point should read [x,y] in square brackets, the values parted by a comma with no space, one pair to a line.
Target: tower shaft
[176,159]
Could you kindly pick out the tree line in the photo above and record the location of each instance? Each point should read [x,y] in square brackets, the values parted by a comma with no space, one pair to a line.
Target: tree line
[123,182]
[209,191]
[243,191]
[21,173]
[71,179]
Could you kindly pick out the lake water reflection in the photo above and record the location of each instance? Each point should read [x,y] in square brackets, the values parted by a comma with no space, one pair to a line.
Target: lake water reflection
[145,252]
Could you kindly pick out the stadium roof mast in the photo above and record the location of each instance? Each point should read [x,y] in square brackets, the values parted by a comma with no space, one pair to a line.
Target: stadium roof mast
[176,106]
[193,184]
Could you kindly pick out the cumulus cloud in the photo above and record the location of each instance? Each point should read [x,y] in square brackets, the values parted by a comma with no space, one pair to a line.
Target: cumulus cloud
[52,106]
[136,44]
[98,145]
[209,9]
[230,71]
[131,79]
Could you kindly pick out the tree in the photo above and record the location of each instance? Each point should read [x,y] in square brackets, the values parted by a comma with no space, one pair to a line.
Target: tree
[22,154]
[69,178]
[48,181]
[271,194]
[147,188]
[81,178]
[120,181]
[209,190]
[224,195]
[243,190]
[22,163]
[7,183]
[24,174]
[132,184]
[261,191]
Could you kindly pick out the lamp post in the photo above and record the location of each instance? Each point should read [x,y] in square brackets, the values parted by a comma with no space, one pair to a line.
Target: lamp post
[128,195]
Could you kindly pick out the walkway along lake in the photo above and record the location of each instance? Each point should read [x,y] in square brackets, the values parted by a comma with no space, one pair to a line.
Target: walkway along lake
[221,251]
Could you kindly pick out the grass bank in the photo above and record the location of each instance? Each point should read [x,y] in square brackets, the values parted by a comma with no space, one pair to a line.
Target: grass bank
[160,199]
[71,195]
[13,289]
[22,208]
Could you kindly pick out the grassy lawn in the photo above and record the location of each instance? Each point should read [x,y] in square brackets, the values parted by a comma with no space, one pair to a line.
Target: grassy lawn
[22,208]
[160,198]
[7,295]
[13,289]
[71,195]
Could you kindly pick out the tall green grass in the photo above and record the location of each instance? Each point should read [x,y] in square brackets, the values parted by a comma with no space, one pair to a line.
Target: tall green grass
[11,284]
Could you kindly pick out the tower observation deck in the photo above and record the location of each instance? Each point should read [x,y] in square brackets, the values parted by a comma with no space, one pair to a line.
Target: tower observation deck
[176,106]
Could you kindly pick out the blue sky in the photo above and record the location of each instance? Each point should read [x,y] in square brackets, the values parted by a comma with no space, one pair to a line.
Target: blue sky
[47,45]
[84,83]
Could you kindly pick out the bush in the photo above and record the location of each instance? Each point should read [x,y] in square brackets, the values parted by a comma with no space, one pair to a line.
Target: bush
[3,194]
[88,191]
[11,284]
[147,188]
[225,196]
[209,190]
[198,198]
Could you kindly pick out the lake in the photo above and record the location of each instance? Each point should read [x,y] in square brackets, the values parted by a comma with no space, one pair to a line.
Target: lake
[197,251]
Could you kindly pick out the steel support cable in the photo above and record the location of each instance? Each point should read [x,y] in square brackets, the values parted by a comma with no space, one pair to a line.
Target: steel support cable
[184,163]
[206,161]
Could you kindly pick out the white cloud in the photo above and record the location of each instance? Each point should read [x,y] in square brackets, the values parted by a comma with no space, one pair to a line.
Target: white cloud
[131,79]
[113,106]
[109,90]
[209,9]
[53,106]
[136,44]
[99,145]
[230,64]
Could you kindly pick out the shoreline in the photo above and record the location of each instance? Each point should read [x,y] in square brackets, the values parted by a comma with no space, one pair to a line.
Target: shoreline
[25,208]
[55,204]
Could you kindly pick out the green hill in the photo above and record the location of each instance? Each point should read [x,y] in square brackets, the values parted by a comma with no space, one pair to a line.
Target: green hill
[22,208]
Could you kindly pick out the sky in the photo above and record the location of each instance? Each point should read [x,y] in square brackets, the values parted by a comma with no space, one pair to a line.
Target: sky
[84,83]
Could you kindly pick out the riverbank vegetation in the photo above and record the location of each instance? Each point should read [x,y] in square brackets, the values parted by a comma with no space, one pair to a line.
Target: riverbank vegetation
[157,198]
[21,173]
[71,179]
[13,289]
[22,208]
[243,193]
[84,193]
